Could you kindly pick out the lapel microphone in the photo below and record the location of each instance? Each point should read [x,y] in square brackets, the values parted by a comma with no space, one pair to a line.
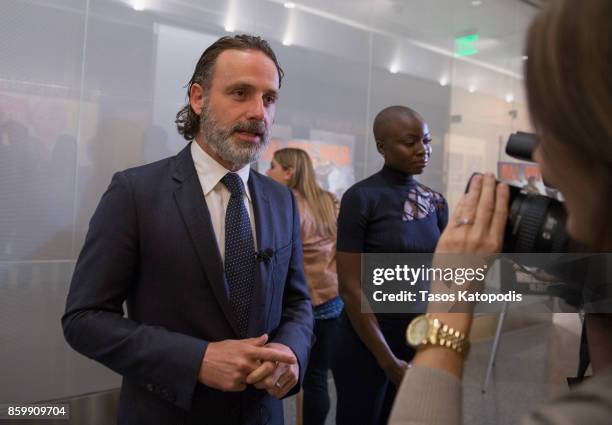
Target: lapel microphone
[265,255]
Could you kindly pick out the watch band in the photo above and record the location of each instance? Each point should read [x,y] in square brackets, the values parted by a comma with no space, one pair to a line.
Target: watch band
[445,336]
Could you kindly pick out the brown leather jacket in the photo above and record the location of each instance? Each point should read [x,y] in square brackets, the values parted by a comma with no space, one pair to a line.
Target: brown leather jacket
[319,257]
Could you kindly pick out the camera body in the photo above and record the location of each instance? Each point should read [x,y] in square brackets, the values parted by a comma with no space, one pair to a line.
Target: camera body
[536,225]
[536,222]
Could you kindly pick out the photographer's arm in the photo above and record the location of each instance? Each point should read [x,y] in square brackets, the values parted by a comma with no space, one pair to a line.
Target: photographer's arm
[590,403]
[431,391]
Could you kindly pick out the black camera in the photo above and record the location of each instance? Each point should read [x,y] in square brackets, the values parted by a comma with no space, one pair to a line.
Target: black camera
[536,222]
[536,226]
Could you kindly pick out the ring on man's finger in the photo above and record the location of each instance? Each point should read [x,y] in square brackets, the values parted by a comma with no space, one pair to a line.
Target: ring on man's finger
[277,385]
[464,221]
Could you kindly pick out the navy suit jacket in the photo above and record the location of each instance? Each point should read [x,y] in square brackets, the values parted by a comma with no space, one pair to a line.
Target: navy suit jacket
[151,245]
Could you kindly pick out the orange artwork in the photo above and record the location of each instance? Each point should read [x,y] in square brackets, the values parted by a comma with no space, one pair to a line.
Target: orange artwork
[518,172]
[321,153]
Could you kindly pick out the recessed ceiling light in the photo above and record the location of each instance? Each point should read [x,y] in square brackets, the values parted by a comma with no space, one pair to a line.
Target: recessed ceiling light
[525,58]
[289,5]
[443,81]
[139,5]
[394,69]
[287,41]
[472,89]
[509,98]
[476,2]
[229,28]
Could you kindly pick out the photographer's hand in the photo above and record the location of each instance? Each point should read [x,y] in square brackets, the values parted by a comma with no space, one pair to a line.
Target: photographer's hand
[476,228]
[477,225]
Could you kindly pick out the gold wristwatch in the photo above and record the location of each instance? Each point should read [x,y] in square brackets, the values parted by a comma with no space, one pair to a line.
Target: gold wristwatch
[427,331]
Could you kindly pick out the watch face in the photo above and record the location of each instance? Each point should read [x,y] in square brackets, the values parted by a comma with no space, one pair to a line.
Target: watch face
[417,331]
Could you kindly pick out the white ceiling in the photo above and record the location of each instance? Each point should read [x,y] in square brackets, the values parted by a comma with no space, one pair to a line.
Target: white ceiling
[432,26]
[412,37]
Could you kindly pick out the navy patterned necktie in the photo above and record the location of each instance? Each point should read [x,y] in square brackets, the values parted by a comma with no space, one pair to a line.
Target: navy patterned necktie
[240,261]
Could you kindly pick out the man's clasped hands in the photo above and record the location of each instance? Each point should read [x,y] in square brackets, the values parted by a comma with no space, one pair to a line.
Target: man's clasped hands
[232,364]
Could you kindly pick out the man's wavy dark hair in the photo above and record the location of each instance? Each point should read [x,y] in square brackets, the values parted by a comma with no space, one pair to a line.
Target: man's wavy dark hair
[187,121]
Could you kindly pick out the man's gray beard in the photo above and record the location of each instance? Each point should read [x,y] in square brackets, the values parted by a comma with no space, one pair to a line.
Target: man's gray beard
[219,139]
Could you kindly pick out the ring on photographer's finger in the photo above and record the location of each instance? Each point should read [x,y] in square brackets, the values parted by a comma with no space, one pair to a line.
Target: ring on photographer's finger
[277,385]
[464,221]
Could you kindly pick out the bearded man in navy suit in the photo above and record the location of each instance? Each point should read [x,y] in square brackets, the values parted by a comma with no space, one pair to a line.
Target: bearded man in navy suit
[206,254]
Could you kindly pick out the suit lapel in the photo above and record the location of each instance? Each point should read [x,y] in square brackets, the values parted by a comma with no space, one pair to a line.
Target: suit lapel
[265,241]
[192,205]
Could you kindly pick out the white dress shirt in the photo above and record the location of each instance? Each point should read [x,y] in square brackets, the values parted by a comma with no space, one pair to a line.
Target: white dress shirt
[210,173]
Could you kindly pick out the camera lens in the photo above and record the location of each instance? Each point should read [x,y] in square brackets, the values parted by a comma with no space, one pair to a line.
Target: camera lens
[536,223]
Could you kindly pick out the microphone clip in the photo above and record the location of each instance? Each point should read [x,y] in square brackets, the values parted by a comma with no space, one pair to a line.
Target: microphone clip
[264,255]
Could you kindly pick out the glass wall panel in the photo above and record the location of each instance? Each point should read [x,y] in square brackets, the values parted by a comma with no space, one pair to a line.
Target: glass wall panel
[324,97]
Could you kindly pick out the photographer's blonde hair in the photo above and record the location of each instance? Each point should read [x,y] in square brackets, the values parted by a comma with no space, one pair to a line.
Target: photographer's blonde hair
[568,79]
[322,204]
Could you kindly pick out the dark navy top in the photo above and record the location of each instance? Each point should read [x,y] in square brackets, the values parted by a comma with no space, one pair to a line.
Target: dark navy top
[391,212]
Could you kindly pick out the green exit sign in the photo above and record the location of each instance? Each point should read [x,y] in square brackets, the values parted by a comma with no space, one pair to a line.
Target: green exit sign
[466,45]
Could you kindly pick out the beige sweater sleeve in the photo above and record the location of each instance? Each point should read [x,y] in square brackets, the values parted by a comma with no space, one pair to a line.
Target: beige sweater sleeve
[433,397]
[427,397]
[588,404]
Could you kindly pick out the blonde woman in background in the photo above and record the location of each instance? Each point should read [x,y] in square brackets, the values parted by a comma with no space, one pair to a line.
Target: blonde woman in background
[318,213]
